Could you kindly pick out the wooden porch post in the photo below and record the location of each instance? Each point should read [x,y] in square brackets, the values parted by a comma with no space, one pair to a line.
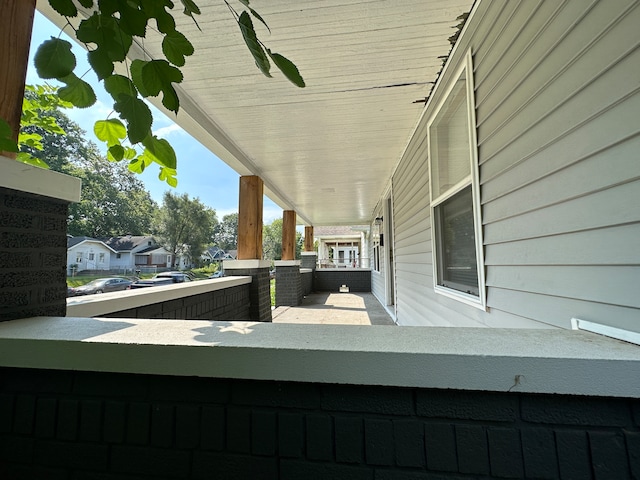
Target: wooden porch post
[308,239]
[15,37]
[288,235]
[250,218]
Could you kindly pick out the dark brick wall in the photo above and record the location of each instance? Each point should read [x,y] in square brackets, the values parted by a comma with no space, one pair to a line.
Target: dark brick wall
[33,255]
[308,261]
[331,280]
[259,291]
[288,286]
[307,282]
[227,304]
[83,425]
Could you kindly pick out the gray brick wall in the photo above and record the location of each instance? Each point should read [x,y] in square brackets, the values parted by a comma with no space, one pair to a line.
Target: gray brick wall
[66,424]
[227,304]
[331,280]
[33,255]
[308,261]
[288,286]
[307,282]
[259,291]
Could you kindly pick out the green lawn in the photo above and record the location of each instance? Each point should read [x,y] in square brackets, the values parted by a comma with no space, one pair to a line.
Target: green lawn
[273,291]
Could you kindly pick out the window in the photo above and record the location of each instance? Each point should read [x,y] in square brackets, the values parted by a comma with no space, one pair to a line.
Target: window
[118,255]
[101,257]
[91,257]
[377,237]
[455,201]
[78,257]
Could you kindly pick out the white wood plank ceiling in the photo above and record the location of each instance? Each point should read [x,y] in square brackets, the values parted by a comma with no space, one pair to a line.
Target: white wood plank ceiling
[326,151]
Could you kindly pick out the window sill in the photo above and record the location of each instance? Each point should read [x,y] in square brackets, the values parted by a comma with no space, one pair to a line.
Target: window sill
[536,361]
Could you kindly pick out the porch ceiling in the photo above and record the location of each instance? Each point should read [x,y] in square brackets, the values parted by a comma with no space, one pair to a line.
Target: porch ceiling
[326,151]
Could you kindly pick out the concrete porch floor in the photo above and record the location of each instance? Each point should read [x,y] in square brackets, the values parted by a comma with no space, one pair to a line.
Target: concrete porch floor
[335,309]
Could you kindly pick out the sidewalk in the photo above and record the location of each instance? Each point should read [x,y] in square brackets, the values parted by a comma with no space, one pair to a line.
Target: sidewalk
[335,309]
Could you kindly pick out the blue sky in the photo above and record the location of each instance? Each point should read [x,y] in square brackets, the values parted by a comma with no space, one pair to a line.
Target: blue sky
[200,173]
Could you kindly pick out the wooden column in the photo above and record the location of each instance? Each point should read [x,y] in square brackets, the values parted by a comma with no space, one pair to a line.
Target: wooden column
[250,218]
[288,235]
[308,239]
[15,37]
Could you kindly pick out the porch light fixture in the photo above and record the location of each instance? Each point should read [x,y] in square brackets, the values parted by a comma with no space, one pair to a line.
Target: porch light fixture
[378,221]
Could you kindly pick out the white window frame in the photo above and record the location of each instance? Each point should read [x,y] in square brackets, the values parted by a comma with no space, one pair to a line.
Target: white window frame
[376,248]
[472,179]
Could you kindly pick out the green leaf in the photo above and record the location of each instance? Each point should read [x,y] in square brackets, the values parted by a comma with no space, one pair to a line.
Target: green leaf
[156,76]
[54,59]
[129,153]
[168,175]
[175,47]
[31,140]
[86,3]
[172,181]
[137,165]
[160,151]
[117,84]
[115,153]
[77,91]
[101,63]
[106,34]
[7,143]
[65,8]
[250,38]
[132,20]
[137,114]
[287,67]
[190,7]
[254,13]
[29,159]
[257,15]
[157,9]
[110,131]
[136,75]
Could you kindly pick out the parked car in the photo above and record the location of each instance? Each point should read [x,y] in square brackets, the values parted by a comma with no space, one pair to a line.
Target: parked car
[151,282]
[177,277]
[101,285]
[164,278]
[217,274]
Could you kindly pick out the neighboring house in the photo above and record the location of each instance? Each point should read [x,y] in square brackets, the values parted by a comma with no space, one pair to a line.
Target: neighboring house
[215,254]
[132,253]
[342,246]
[86,253]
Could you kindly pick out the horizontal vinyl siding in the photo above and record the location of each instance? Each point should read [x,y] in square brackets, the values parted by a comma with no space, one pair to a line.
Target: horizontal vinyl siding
[558,136]
[377,278]
[412,236]
[557,91]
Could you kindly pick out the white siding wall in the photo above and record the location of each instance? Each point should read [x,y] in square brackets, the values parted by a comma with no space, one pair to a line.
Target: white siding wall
[557,101]
[124,262]
[377,278]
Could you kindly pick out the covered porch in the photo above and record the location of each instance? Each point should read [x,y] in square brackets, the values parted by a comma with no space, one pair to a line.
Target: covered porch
[137,397]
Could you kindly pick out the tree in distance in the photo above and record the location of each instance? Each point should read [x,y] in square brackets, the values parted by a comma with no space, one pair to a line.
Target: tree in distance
[184,226]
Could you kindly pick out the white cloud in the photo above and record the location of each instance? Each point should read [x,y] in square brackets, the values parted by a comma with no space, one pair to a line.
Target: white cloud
[163,132]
